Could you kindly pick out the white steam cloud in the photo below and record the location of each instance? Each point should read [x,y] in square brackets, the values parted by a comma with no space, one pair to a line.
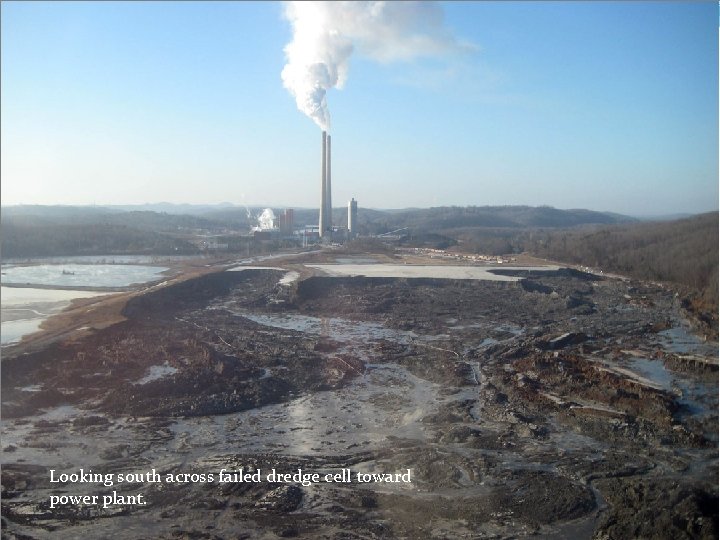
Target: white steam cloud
[325,34]
[266,219]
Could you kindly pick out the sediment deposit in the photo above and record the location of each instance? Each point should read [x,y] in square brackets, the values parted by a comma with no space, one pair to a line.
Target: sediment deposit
[563,404]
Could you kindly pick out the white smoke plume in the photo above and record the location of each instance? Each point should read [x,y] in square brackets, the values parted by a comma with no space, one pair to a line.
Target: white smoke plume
[325,34]
[266,219]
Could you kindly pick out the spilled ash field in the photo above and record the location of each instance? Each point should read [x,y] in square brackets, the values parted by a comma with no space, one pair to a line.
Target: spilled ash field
[549,402]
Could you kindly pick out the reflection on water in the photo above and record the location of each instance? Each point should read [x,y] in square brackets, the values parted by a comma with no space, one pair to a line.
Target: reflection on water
[388,401]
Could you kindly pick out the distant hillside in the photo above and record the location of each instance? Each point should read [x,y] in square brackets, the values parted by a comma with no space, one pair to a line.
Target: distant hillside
[167,217]
[55,212]
[452,217]
[684,251]
[90,215]
[172,208]
[27,240]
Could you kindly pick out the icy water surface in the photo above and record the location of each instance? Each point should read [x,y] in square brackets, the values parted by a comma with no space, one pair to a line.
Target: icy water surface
[81,275]
[13,331]
[24,308]
[681,340]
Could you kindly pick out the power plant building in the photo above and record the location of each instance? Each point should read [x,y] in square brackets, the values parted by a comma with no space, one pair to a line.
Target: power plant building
[286,221]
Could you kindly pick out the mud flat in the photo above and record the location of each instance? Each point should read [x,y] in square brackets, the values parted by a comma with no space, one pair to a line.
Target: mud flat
[558,404]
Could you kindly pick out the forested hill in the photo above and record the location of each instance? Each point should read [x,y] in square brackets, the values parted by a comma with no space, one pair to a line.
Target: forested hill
[683,252]
[371,221]
[42,231]
[44,240]
[35,215]
[421,220]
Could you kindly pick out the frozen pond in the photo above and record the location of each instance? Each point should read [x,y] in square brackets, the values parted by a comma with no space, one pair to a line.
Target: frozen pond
[426,271]
[20,296]
[23,309]
[81,275]
[101,259]
[12,331]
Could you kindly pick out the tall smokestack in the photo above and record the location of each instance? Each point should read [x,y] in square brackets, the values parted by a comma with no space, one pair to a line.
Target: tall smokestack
[328,188]
[322,222]
[352,218]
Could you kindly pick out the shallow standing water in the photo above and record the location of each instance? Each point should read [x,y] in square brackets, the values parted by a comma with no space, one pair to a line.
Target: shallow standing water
[25,308]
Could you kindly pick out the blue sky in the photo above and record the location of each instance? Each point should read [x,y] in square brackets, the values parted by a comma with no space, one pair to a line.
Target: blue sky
[607,106]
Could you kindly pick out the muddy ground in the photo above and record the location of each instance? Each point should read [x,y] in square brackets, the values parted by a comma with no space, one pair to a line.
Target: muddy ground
[563,405]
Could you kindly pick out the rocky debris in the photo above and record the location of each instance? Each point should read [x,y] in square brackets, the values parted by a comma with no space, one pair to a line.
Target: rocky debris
[539,497]
[694,365]
[657,508]
[281,499]
[533,286]
[563,340]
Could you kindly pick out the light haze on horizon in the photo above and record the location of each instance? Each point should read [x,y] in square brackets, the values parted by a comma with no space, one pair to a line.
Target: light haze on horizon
[605,106]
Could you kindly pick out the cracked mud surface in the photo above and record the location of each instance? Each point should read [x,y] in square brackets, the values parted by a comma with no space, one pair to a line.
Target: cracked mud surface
[562,405]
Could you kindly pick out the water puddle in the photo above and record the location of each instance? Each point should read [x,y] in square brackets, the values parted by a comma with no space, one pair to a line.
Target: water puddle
[334,328]
[653,370]
[681,340]
[698,398]
[157,372]
[386,401]
[31,388]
